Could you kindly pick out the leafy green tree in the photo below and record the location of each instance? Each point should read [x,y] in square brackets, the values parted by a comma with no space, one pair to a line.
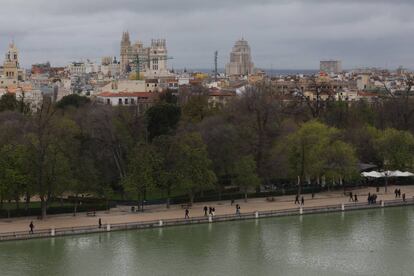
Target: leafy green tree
[74,100]
[166,175]
[193,167]
[340,160]
[83,176]
[245,175]
[258,114]
[224,147]
[305,149]
[169,97]
[48,138]
[143,163]
[8,102]
[162,119]
[196,109]
[396,149]
[14,176]
[364,139]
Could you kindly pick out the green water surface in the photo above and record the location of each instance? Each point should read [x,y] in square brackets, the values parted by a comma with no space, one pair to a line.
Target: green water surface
[370,242]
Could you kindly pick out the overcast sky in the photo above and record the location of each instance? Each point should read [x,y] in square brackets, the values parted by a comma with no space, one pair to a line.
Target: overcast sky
[283,34]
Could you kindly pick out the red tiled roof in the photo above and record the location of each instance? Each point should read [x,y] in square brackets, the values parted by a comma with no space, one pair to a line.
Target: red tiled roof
[172,81]
[367,94]
[222,95]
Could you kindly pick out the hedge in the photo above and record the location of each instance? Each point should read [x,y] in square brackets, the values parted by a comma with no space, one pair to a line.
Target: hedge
[4,213]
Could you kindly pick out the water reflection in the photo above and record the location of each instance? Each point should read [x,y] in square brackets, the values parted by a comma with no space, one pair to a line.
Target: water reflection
[370,242]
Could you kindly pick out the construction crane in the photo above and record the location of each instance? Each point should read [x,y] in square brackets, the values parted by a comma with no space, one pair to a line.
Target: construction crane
[139,60]
[215,65]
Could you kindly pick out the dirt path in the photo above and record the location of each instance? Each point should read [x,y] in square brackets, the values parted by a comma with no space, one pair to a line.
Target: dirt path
[123,215]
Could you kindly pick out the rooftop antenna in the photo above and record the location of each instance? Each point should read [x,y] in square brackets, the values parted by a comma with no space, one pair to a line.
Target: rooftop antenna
[215,65]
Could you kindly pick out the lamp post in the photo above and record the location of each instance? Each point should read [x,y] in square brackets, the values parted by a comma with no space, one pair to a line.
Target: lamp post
[386,174]
[386,181]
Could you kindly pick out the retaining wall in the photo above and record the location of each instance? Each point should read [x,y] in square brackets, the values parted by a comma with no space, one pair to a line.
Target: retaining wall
[47,233]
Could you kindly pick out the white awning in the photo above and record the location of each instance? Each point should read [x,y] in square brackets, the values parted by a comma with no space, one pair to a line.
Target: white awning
[375,174]
[402,174]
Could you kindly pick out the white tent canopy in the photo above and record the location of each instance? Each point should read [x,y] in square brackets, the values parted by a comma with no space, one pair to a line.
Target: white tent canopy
[372,174]
[375,174]
[402,174]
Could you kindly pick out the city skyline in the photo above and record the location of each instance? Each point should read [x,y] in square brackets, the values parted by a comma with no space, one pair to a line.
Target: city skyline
[283,34]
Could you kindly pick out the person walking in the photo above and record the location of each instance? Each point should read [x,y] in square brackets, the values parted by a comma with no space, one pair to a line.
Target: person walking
[351,198]
[237,209]
[205,211]
[302,201]
[31,226]
[100,223]
[355,198]
[213,211]
[187,212]
[396,193]
[403,197]
[297,199]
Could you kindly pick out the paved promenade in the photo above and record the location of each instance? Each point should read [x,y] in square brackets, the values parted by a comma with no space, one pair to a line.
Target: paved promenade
[123,214]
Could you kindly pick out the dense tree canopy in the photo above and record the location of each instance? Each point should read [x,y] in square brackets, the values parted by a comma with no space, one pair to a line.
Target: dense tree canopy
[162,119]
[185,149]
[73,100]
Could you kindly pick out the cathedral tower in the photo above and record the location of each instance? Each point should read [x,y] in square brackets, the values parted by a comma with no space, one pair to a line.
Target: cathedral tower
[125,51]
[11,63]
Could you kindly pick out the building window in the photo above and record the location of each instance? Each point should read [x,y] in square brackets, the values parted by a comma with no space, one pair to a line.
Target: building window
[120,101]
[108,101]
[126,101]
[132,101]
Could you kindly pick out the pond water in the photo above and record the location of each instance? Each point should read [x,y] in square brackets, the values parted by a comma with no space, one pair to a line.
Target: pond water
[369,242]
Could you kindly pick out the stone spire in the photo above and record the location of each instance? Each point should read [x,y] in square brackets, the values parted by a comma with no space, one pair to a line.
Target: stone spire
[125,38]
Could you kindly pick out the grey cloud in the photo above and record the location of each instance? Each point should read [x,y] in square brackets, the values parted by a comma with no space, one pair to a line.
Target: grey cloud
[283,34]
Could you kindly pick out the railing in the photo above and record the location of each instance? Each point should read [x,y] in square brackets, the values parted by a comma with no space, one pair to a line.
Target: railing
[20,235]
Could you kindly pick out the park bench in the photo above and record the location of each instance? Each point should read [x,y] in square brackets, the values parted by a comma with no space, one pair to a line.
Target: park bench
[91,214]
[186,205]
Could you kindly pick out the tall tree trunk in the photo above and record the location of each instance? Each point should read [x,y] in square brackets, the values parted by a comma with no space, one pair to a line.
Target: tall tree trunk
[191,197]
[43,205]
[75,207]
[27,201]
[302,171]
[144,196]
[168,197]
